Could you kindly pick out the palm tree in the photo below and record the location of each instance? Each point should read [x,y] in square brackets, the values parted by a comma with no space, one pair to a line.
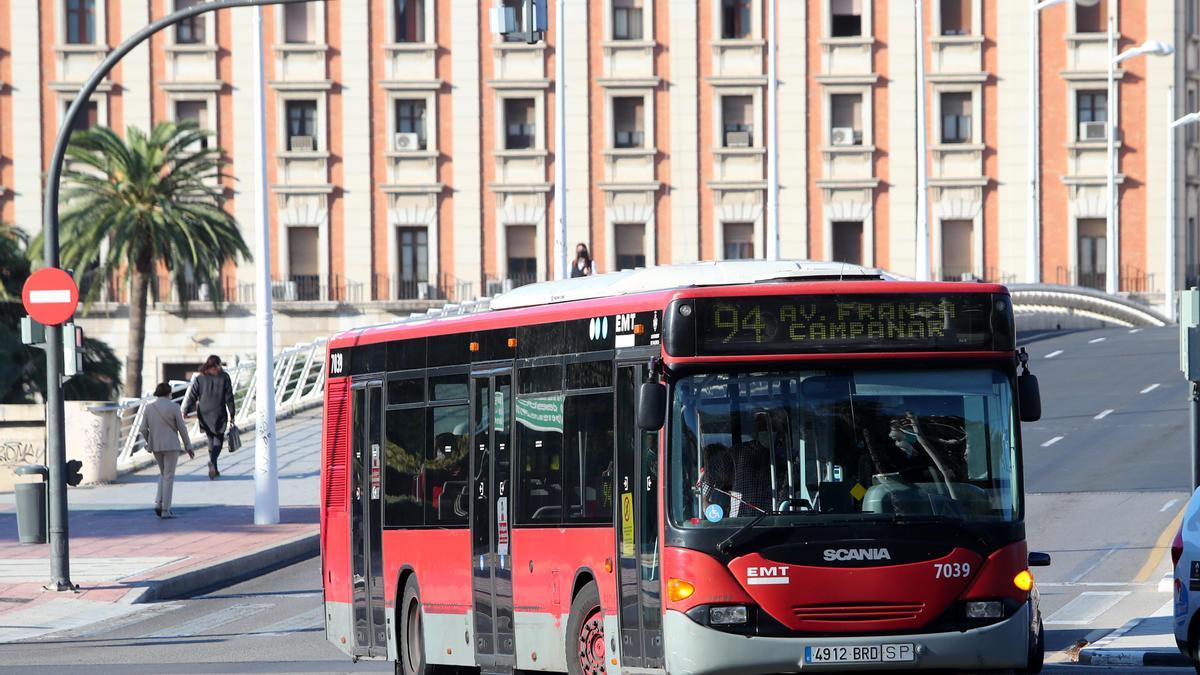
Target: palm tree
[133,207]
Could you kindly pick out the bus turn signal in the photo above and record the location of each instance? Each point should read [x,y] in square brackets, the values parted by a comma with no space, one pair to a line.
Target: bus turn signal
[1023,580]
[678,589]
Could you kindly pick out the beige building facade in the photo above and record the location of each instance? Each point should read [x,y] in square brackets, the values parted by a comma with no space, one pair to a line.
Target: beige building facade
[412,152]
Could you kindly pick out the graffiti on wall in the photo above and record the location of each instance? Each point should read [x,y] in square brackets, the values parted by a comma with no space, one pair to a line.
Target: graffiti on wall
[16,453]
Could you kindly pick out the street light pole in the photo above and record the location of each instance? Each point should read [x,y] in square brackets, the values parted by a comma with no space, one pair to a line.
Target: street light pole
[1033,235]
[1169,232]
[1112,276]
[56,448]
[773,237]
[922,161]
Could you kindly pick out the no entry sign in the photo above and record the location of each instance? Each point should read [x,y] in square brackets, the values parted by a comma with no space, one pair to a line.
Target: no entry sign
[50,296]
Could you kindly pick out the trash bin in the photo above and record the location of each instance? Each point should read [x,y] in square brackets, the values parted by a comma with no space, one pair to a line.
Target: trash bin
[31,505]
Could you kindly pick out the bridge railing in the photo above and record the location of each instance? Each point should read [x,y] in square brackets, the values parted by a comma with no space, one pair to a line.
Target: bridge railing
[299,384]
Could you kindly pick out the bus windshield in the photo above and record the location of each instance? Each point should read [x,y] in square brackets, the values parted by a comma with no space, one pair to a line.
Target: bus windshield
[814,446]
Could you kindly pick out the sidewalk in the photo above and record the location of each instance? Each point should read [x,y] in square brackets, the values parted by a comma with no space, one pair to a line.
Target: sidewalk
[1148,641]
[123,555]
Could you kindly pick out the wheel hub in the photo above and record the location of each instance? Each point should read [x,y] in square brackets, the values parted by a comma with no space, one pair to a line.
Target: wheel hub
[591,645]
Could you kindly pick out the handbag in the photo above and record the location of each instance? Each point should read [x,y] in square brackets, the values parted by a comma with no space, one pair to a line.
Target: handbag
[235,438]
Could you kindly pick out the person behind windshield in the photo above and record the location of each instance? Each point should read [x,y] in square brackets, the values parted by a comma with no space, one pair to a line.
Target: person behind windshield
[750,492]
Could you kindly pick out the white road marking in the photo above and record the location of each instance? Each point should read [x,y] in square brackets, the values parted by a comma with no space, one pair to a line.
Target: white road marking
[1095,340]
[310,620]
[1104,414]
[1166,584]
[1168,505]
[1052,441]
[1093,584]
[1149,389]
[208,622]
[1088,570]
[1086,608]
[1054,353]
[1135,330]
[49,297]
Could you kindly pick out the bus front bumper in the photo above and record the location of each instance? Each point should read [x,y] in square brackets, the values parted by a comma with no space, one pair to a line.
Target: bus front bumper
[693,649]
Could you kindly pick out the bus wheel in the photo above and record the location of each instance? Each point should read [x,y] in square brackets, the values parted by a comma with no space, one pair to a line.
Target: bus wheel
[585,633]
[412,639]
[1037,650]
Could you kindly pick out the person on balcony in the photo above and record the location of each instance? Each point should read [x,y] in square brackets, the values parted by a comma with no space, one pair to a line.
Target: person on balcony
[582,266]
[211,397]
[166,436]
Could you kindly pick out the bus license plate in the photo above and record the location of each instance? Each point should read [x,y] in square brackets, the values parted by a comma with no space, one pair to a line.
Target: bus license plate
[860,654]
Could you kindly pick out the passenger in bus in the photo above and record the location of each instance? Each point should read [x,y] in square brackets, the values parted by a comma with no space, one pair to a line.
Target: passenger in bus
[751,488]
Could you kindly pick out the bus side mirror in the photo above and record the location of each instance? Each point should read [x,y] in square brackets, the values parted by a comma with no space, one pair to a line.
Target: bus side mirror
[1039,559]
[1030,397]
[652,406]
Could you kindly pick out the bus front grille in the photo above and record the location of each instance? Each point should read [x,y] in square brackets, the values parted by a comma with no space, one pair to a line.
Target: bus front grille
[859,612]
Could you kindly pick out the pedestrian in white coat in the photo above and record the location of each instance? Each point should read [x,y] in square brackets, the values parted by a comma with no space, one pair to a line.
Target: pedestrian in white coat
[166,436]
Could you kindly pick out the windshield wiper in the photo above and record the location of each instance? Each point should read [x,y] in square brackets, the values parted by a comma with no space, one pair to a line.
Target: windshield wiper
[727,545]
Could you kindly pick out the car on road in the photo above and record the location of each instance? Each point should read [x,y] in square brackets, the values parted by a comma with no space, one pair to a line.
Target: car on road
[1185,557]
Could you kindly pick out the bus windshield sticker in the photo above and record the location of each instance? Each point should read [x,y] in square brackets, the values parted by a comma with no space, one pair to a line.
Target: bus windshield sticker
[498,414]
[714,513]
[627,546]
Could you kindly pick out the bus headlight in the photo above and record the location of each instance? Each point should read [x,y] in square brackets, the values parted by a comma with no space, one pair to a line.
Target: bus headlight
[986,609]
[728,616]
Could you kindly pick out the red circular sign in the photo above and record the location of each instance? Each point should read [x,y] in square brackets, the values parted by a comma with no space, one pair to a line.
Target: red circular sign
[50,296]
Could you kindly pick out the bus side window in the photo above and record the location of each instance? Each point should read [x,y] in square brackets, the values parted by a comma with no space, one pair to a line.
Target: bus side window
[405,462]
[447,465]
[588,426]
[539,459]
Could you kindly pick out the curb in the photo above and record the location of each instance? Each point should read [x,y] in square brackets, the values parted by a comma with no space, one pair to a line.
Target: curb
[229,571]
[1134,657]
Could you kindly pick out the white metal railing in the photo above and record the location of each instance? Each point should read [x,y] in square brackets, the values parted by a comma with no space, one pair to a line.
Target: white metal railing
[299,384]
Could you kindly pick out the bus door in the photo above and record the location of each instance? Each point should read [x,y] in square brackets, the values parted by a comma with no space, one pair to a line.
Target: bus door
[366,524]
[636,520]
[491,560]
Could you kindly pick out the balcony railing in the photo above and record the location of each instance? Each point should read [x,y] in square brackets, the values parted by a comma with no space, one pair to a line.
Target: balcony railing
[990,275]
[1133,279]
[446,288]
[165,289]
[313,288]
[496,286]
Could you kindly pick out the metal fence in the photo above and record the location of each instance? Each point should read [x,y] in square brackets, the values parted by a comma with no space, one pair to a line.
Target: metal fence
[299,384]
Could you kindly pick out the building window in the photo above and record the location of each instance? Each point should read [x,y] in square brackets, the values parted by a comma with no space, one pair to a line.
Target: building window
[845,119]
[409,16]
[627,19]
[520,126]
[189,31]
[847,240]
[1192,26]
[81,22]
[957,259]
[739,241]
[88,118]
[302,126]
[628,122]
[195,112]
[300,23]
[736,22]
[1092,251]
[410,124]
[1189,130]
[1091,110]
[413,247]
[956,17]
[630,240]
[1091,18]
[304,267]
[845,18]
[956,117]
[518,7]
[522,254]
[737,121]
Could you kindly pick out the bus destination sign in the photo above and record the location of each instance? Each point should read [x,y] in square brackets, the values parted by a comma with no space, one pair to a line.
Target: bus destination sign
[858,323]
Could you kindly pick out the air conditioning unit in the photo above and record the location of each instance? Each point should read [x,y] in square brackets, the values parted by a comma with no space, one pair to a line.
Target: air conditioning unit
[303,144]
[843,136]
[1093,131]
[737,139]
[408,141]
[284,291]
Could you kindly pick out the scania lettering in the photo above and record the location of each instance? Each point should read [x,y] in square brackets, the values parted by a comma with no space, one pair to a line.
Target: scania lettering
[737,467]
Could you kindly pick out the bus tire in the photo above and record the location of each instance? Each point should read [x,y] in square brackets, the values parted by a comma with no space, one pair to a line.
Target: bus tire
[1037,650]
[585,633]
[411,650]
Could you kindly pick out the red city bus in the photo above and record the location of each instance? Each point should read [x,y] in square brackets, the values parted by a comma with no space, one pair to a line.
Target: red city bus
[735,467]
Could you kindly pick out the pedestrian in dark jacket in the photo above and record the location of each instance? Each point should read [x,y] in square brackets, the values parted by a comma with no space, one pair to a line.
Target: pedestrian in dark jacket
[211,397]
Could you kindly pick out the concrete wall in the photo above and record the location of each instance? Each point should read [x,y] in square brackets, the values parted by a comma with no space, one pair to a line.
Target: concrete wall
[92,437]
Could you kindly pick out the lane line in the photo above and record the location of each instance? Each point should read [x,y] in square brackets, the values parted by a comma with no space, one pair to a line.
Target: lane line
[1095,340]
[305,621]
[1168,505]
[1052,441]
[1086,608]
[1054,353]
[211,621]
[1088,570]
[1104,414]
[1160,548]
[1135,330]
[1149,389]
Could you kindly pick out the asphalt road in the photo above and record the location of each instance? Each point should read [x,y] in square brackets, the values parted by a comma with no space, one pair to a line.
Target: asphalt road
[1106,473]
